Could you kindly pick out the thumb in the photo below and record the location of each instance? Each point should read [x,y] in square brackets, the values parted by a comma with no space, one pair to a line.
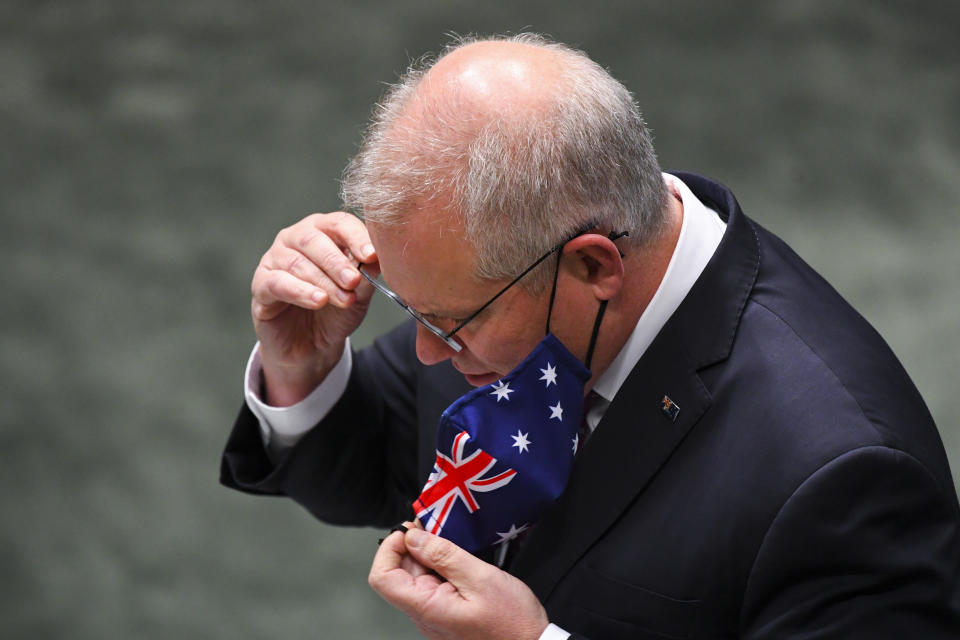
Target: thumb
[459,567]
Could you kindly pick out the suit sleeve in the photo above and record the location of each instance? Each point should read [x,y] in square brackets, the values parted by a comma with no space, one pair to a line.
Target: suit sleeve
[358,465]
[867,547]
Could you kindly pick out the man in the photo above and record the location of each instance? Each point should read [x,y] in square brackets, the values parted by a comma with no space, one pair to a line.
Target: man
[760,465]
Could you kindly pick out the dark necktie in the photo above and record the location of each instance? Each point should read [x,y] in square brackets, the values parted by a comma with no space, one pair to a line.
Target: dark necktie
[583,432]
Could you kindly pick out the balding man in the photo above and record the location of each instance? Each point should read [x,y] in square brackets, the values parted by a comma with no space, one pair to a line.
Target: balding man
[756,462]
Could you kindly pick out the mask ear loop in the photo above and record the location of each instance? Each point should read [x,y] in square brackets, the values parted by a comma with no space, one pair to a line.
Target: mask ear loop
[614,236]
[596,323]
[595,333]
[553,290]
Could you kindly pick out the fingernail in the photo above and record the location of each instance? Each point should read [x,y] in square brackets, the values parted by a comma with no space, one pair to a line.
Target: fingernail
[366,251]
[416,538]
[346,276]
[342,296]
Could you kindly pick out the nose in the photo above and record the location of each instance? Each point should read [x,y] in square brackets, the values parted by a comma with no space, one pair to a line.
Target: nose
[430,348]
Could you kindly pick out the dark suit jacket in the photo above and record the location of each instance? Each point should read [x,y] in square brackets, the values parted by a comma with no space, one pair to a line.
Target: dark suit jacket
[802,491]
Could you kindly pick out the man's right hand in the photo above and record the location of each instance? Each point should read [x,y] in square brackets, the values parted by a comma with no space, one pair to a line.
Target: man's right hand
[307,298]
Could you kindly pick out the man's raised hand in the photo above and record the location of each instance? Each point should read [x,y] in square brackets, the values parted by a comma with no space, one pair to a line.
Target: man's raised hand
[307,297]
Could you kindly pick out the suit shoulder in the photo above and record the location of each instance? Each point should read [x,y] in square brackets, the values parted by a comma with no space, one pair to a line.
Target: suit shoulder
[821,375]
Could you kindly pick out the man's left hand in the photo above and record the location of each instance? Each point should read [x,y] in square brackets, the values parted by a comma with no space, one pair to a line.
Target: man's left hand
[465,598]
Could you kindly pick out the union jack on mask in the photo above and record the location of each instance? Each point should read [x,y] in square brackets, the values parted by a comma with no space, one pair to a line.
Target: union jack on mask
[505,451]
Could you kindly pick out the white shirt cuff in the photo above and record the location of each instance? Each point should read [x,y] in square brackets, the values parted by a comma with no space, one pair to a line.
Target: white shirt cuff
[282,427]
[553,632]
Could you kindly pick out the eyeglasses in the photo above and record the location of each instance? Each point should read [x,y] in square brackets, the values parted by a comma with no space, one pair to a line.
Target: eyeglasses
[447,336]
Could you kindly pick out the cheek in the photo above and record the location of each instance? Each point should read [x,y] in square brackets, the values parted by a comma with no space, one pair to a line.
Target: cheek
[503,353]
[501,342]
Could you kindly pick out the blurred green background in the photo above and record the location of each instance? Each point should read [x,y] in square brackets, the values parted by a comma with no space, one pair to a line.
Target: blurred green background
[152,150]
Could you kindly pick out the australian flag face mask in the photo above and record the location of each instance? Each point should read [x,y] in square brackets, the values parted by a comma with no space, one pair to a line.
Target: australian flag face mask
[505,450]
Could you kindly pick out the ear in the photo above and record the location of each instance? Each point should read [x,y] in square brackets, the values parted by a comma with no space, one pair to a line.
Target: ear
[597,263]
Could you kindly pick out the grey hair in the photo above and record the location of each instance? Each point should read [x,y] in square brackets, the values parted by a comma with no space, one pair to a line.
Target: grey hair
[520,184]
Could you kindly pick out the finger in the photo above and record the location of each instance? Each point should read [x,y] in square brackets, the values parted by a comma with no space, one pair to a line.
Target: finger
[320,249]
[389,553]
[364,289]
[349,232]
[285,259]
[408,563]
[414,568]
[388,577]
[273,289]
[415,524]
[463,570]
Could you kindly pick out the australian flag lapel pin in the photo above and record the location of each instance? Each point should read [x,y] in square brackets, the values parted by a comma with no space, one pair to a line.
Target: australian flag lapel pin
[670,408]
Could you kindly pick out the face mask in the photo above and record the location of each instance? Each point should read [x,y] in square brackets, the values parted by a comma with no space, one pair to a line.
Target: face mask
[505,451]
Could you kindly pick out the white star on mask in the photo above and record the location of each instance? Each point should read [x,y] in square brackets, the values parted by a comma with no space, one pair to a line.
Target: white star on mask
[556,412]
[576,441]
[501,390]
[511,534]
[549,374]
[520,441]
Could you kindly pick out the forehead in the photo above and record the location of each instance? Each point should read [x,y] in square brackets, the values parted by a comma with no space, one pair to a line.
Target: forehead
[428,262]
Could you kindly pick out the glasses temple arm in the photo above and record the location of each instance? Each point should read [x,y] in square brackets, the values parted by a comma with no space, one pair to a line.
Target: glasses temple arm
[473,315]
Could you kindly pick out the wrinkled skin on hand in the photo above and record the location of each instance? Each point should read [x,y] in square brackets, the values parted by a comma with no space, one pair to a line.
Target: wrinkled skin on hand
[449,593]
[307,297]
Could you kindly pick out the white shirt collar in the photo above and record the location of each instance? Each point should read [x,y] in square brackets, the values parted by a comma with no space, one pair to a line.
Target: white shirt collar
[700,234]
